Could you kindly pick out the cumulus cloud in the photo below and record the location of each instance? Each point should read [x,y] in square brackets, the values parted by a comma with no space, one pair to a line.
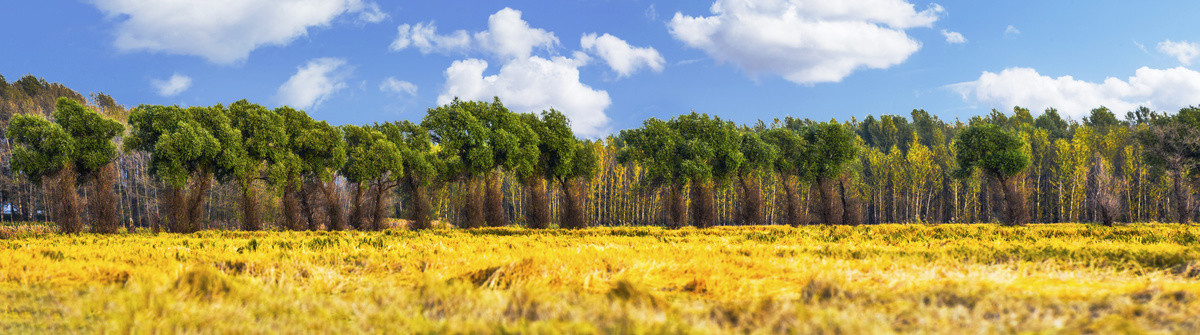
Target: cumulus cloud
[1159,89]
[172,86]
[223,32]
[525,78]
[1184,51]
[620,56]
[508,36]
[533,84]
[314,82]
[398,87]
[953,37]
[806,41]
[425,38]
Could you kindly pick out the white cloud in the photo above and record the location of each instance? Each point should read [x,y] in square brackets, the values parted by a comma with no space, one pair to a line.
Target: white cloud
[424,37]
[530,85]
[172,86]
[314,82]
[620,56]
[525,82]
[651,13]
[508,36]
[368,12]
[223,32]
[1184,51]
[806,41]
[1164,90]
[1011,32]
[398,87]
[953,37]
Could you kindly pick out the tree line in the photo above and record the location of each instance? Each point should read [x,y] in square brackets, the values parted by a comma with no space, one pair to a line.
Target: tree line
[476,163]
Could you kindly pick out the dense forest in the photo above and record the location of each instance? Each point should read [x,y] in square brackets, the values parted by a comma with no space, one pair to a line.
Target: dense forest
[88,161]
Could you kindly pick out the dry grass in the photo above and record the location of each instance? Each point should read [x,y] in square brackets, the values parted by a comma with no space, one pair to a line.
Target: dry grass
[870,279]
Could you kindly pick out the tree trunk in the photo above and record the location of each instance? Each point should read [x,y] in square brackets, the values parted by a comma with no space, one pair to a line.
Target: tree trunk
[66,213]
[309,203]
[377,216]
[419,203]
[676,209]
[494,209]
[103,204]
[830,206]
[292,219]
[751,209]
[473,207]
[703,211]
[176,210]
[195,201]
[791,204]
[1182,195]
[333,205]
[251,221]
[574,215]
[1014,202]
[537,215]
[851,204]
[356,208]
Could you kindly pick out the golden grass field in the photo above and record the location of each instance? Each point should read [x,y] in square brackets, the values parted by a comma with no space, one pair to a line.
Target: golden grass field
[1063,278]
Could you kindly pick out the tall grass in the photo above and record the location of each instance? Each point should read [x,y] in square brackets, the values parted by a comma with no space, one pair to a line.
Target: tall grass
[866,279]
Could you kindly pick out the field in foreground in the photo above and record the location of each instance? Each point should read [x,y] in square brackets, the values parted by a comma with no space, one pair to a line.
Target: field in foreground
[869,279]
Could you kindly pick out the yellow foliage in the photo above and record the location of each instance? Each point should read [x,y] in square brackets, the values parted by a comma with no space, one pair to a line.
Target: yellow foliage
[823,279]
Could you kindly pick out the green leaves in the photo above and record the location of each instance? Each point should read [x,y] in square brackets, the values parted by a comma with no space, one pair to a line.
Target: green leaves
[181,141]
[42,147]
[990,148]
[370,156]
[689,147]
[264,139]
[314,147]
[465,146]
[561,155]
[77,136]
[91,132]
[832,146]
[415,147]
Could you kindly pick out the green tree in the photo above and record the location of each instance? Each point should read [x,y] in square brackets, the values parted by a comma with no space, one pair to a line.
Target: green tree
[831,147]
[420,167]
[791,163]
[583,166]
[264,139]
[657,147]
[464,151]
[998,154]
[315,151]
[1172,145]
[186,146]
[760,156]
[691,149]
[711,154]
[373,162]
[43,150]
[94,154]
[556,149]
[515,149]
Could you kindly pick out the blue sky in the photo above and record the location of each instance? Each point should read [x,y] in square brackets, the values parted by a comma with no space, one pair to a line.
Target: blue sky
[350,61]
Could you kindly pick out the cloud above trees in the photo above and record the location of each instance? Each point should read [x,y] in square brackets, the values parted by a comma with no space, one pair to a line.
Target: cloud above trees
[806,41]
[522,65]
[1158,89]
[223,32]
